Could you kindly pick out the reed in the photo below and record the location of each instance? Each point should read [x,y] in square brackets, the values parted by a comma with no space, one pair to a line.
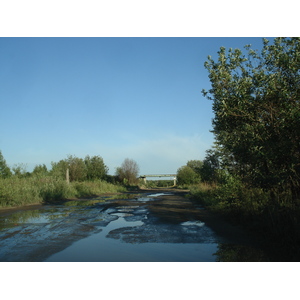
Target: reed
[16,191]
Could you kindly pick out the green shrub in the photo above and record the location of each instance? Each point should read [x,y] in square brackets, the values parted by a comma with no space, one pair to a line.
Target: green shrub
[186,175]
[203,193]
[232,195]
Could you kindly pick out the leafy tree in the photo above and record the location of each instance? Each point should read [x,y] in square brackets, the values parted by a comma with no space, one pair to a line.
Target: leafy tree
[59,169]
[95,167]
[76,166]
[20,170]
[211,165]
[186,175]
[80,169]
[128,172]
[196,165]
[40,170]
[257,113]
[5,171]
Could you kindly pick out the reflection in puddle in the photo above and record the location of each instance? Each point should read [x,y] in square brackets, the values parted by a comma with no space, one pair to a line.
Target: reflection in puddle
[159,194]
[98,247]
[133,237]
[239,253]
[112,251]
[145,199]
[193,223]
[122,214]
[99,230]
[120,223]
[150,197]
[35,216]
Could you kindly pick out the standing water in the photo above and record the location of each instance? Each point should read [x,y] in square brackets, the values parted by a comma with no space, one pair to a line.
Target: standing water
[139,229]
[100,247]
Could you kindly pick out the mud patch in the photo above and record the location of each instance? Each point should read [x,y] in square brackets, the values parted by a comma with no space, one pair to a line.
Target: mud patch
[164,233]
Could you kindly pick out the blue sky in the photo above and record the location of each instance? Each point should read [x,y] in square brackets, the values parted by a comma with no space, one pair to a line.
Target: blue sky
[137,98]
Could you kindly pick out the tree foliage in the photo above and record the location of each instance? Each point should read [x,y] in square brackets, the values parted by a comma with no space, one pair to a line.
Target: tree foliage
[186,175]
[90,168]
[95,167]
[195,165]
[40,170]
[128,172]
[5,171]
[257,113]
[20,170]
[59,169]
[211,166]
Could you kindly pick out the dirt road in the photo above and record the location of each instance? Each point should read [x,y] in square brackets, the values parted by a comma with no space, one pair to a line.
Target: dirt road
[158,218]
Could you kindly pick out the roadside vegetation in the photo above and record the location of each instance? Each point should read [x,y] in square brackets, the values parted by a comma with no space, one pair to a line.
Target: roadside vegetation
[152,184]
[252,174]
[70,178]
[128,172]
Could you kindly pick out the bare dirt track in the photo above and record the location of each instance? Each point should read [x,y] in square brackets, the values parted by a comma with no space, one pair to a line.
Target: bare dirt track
[178,207]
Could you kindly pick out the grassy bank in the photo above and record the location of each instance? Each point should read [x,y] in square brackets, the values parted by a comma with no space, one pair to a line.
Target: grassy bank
[275,225]
[41,189]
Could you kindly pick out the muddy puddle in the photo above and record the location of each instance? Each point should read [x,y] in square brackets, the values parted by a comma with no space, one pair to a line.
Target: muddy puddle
[133,228]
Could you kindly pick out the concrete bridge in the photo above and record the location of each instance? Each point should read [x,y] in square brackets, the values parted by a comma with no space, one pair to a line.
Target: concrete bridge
[160,175]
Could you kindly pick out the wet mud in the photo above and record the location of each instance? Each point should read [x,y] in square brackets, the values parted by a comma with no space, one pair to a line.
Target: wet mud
[152,225]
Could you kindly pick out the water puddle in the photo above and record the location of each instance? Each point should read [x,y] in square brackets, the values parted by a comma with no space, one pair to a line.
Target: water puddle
[158,194]
[151,197]
[193,223]
[114,230]
[99,247]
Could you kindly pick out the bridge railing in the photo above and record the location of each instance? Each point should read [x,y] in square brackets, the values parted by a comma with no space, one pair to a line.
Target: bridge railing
[159,176]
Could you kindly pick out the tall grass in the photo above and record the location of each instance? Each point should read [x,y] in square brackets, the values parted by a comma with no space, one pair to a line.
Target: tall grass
[97,187]
[17,191]
[40,189]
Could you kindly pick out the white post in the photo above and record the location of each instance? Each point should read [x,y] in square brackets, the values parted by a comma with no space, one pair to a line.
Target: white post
[67,176]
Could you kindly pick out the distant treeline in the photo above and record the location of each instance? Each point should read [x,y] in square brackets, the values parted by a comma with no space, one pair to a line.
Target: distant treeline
[89,168]
[72,177]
